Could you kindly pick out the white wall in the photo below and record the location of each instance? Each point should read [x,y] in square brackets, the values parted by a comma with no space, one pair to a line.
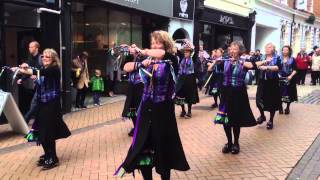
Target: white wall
[268,26]
[177,24]
[265,35]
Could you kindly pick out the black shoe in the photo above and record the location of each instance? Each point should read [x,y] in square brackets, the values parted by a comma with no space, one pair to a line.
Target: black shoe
[50,163]
[287,111]
[215,105]
[41,160]
[261,119]
[227,148]
[78,106]
[188,115]
[270,125]
[84,107]
[235,149]
[280,111]
[182,114]
[131,132]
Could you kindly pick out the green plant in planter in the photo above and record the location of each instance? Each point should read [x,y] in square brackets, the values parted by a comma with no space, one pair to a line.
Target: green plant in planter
[311,19]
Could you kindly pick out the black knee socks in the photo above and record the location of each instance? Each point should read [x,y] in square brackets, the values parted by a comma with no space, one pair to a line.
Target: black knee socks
[227,130]
[183,108]
[189,108]
[288,105]
[50,149]
[147,173]
[272,113]
[236,133]
[215,99]
[134,119]
[261,111]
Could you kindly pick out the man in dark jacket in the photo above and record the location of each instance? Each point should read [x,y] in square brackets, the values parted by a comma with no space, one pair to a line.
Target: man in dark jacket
[27,82]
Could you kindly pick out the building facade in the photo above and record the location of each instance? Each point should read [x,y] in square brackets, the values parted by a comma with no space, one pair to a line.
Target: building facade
[80,25]
[220,22]
[286,22]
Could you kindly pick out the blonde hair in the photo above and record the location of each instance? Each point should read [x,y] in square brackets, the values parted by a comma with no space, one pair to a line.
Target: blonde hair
[242,49]
[165,38]
[54,56]
[273,47]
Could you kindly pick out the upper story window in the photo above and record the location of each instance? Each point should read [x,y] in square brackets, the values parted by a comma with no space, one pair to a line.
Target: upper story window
[284,2]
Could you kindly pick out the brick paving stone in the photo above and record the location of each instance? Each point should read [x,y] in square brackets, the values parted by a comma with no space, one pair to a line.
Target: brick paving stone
[96,153]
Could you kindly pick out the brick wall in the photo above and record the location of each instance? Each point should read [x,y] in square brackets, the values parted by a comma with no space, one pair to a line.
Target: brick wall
[316,8]
[291,3]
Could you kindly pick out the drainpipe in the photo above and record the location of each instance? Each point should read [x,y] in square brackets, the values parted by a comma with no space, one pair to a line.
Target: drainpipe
[293,22]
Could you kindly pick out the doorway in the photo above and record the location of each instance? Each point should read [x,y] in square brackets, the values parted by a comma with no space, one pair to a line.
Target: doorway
[21,26]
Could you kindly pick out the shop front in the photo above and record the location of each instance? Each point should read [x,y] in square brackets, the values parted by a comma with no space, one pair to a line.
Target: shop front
[20,23]
[218,29]
[181,24]
[99,25]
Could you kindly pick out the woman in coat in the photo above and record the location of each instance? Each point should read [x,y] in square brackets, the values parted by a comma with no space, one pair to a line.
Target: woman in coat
[49,117]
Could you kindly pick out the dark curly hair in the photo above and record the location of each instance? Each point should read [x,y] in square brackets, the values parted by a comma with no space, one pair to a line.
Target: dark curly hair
[289,48]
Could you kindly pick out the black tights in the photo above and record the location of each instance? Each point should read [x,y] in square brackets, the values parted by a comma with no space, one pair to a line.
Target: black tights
[147,173]
[236,134]
[134,119]
[49,149]
[189,108]
[272,113]
[215,97]
[288,106]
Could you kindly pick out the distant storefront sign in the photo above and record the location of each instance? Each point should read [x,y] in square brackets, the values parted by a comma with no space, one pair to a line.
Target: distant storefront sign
[183,9]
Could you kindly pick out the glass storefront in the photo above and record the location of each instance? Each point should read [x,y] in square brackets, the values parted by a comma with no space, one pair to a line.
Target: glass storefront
[98,28]
[214,36]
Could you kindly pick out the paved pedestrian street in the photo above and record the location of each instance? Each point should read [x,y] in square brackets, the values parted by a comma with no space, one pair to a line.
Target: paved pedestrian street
[99,144]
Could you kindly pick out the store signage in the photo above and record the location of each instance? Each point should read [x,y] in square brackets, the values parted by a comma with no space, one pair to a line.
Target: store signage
[226,19]
[159,7]
[301,5]
[183,9]
[221,18]
[132,1]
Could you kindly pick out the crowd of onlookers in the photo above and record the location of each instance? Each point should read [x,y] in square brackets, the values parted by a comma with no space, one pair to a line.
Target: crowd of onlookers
[307,63]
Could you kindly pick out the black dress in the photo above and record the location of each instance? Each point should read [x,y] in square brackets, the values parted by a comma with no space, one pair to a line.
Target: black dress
[288,89]
[156,134]
[134,92]
[186,86]
[268,95]
[49,117]
[234,108]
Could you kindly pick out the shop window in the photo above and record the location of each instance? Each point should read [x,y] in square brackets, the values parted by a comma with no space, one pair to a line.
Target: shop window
[308,41]
[90,28]
[22,16]
[119,28]
[137,30]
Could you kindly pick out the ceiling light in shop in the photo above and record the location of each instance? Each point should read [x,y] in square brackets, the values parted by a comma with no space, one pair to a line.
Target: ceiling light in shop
[123,24]
[87,24]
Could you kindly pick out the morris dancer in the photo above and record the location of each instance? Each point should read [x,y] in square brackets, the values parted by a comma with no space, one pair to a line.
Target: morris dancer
[187,86]
[234,109]
[156,142]
[216,78]
[288,79]
[268,96]
[135,90]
